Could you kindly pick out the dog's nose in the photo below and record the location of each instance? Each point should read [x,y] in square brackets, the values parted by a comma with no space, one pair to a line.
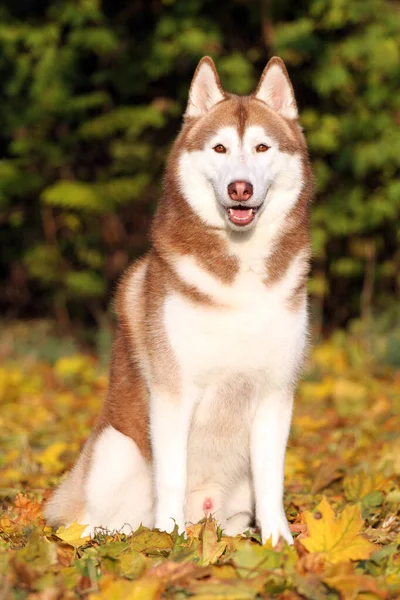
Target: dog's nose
[240,191]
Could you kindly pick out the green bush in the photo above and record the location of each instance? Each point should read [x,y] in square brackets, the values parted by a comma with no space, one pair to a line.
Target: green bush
[92,94]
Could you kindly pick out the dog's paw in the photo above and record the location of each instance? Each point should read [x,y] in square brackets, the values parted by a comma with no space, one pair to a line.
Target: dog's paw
[275,526]
[168,524]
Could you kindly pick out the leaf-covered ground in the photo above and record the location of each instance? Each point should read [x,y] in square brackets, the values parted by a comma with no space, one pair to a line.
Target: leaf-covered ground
[342,494]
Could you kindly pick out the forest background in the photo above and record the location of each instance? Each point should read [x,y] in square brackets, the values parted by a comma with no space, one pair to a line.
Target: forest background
[92,95]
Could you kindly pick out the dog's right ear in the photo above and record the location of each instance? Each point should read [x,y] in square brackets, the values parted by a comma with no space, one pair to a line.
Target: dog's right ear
[205,89]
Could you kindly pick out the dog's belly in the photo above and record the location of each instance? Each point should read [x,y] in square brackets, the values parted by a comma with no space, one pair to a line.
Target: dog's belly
[257,336]
[218,447]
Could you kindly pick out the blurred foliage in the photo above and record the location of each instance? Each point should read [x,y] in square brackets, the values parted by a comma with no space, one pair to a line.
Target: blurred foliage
[92,94]
[342,490]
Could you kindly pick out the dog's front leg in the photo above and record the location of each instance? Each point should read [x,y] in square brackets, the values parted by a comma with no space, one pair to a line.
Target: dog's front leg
[269,436]
[170,421]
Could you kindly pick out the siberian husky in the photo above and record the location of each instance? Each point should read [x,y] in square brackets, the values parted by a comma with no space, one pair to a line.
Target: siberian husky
[212,328]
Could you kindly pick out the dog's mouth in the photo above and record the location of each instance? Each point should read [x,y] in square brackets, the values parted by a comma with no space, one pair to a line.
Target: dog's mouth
[241,215]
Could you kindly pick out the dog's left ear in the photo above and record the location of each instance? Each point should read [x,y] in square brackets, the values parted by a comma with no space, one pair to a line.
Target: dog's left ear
[205,89]
[275,89]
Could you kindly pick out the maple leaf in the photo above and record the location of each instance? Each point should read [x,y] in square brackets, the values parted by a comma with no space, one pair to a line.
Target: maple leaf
[338,539]
[72,535]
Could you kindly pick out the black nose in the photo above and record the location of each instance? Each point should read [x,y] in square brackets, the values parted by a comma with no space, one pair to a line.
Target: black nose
[240,191]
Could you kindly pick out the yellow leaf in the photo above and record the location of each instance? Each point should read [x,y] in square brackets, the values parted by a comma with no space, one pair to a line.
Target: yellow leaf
[72,535]
[145,588]
[6,525]
[151,542]
[359,485]
[338,539]
[112,590]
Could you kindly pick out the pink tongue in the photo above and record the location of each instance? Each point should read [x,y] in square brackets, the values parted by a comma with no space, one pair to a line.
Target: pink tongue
[240,216]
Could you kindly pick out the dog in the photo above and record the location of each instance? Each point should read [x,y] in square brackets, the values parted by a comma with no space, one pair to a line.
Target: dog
[212,328]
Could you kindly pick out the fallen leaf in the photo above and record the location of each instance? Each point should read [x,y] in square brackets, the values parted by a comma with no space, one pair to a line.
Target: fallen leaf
[35,559]
[226,589]
[344,578]
[328,472]
[72,535]
[310,587]
[151,542]
[339,539]
[173,572]
[142,589]
[26,510]
[210,548]
[360,484]
[132,565]
[250,559]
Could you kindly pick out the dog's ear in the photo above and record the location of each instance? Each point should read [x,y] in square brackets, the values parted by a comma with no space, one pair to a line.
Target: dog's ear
[275,89]
[205,89]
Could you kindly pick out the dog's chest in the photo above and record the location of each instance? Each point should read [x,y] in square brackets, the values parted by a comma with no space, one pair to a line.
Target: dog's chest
[250,330]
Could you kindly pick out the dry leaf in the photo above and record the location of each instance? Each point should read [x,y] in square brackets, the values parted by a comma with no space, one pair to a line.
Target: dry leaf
[210,548]
[339,539]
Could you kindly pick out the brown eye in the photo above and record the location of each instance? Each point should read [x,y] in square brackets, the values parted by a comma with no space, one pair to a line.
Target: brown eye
[262,148]
[220,149]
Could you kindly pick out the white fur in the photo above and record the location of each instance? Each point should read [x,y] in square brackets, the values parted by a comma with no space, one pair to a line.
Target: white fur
[170,422]
[269,435]
[118,477]
[276,176]
[255,329]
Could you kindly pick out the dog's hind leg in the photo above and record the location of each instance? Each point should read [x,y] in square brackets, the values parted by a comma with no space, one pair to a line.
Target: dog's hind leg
[118,490]
[238,512]
[112,481]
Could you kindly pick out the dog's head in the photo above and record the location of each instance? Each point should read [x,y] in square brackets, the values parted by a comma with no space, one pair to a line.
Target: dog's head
[238,156]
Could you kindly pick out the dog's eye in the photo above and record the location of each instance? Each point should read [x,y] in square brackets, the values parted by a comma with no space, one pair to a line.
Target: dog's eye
[220,149]
[262,148]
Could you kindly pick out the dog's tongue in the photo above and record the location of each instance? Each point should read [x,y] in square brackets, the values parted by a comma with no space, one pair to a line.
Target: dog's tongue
[240,216]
